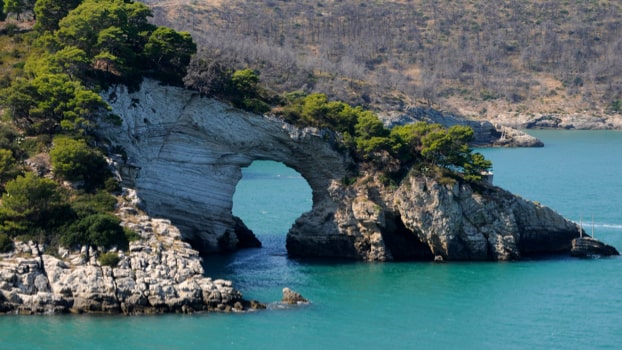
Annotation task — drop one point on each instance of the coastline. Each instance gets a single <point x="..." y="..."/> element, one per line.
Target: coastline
<point x="158" y="274"/>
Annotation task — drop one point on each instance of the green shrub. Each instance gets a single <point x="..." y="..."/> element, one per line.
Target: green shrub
<point x="255" y="105"/>
<point x="6" y="243"/>
<point x="98" y="203"/>
<point x="616" y="106"/>
<point x="31" y="204"/>
<point x="131" y="235"/>
<point x="245" y="81"/>
<point x="111" y="185"/>
<point x="74" y="160"/>
<point x="99" y="230"/>
<point x="109" y="259"/>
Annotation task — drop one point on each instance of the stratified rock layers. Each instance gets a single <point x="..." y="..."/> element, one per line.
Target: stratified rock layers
<point x="184" y="158"/>
<point x="185" y="154"/>
<point x="158" y="274"/>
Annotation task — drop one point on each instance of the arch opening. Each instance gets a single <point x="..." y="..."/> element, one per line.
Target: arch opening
<point x="268" y="199"/>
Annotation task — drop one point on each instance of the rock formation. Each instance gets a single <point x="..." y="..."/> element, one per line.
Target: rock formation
<point x="160" y="273"/>
<point x="425" y="219"/>
<point x="586" y="247"/>
<point x="576" y="121"/>
<point x="185" y="154"/>
<point x="485" y="133"/>
<point x="291" y="297"/>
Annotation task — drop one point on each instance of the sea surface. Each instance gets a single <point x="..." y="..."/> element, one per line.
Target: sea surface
<point x="553" y="303"/>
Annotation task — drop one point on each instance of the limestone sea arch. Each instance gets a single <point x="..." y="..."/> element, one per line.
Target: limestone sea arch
<point x="184" y="155"/>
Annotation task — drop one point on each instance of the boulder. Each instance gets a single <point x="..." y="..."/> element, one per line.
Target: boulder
<point x="586" y="247"/>
<point x="291" y="297"/>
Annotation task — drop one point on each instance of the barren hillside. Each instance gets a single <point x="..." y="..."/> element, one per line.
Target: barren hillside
<point x="476" y="57"/>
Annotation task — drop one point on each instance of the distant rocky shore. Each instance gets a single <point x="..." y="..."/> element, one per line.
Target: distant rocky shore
<point x="159" y="274"/>
<point x="486" y="134"/>
<point x="504" y="130"/>
<point x="572" y="121"/>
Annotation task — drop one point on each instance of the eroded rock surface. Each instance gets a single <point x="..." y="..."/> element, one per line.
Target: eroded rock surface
<point x="160" y="273"/>
<point x="291" y="297"/>
<point x="586" y="247"/>
<point x="184" y="155"/>
<point x="424" y="219"/>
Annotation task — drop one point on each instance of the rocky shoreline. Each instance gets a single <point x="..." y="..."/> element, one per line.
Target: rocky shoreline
<point x="562" y="121"/>
<point x="183" y="158"/>
<point x="486" y="133"/>
<point x="158" y="274"/>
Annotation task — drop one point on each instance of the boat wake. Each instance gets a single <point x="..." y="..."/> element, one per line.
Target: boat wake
<point x="605" y="226"/>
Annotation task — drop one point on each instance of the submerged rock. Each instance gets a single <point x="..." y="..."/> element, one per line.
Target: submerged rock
<point x="585" y="247"/>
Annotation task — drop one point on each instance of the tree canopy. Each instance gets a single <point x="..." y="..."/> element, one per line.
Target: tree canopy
<point x="366" y="136"/>
<point x="52" y="100"/>
<point x="74" y="160"/>
<point x="30" y="204"/>
<point x="78" y="47"/>
<point x="120" y="43"/>
<point x="49" y="12"/>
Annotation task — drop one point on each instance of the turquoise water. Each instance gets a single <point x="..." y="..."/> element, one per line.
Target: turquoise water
<point x="554" y="303"/>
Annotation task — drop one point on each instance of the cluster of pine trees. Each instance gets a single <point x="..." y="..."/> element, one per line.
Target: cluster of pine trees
<point x="76" y="49"/>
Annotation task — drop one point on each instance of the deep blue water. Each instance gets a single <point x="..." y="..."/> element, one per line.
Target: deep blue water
<point x="557" y="303"/>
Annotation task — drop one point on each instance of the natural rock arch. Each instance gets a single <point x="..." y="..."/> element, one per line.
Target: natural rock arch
<point x="184" y="158"/>
<point x="269" y="198"/>
<point x="185" y="154"/>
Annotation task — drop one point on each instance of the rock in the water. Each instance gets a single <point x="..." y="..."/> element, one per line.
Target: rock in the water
<point x="291" y="297"/>
<point x="585" y="247"/>
<point x="185" y="154"/>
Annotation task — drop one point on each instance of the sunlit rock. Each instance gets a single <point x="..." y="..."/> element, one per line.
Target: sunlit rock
<point x="184" y="159"/>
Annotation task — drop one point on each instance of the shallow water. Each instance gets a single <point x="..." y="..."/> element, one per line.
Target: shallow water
<point x="553" y="303"/>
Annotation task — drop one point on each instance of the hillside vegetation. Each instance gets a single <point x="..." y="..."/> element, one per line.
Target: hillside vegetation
<point x="57" y="185"/>
<point x="477" y="57"/>
<point x="56" y="181"/>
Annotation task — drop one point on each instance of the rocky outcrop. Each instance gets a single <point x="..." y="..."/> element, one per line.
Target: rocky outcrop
<point x="291" y="297"/>
<point x="424" y="219"/>
<point x="586" y="247"/>
<point x="576" y="121"/>
<point x="160" y="273"/>
<point x="485" y="132"/>
<point x="184" y="155"/>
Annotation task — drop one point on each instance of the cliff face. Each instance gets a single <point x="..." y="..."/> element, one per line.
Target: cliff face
<point x="185" y="155"/>
<point x="184" y="158"/>
<point x="422" y="219"/>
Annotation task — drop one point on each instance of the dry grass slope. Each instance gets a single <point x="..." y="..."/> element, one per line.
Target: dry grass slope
<point x="477" y="57"/>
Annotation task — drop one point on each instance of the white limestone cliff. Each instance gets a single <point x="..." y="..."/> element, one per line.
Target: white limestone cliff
<point x="184" y="158"/>
<point x="185" y="154"/>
